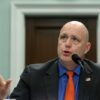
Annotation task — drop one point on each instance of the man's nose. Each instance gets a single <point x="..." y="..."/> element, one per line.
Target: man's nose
<point x="68" y="42"/>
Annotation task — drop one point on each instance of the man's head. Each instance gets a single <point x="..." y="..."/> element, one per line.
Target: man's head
<point x="73" y="39"/>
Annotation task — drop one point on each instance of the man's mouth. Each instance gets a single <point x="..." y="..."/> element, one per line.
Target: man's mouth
<point x="66" y="53"/>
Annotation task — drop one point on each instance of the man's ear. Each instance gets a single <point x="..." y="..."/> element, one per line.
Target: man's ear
<point x="88" y="47"/>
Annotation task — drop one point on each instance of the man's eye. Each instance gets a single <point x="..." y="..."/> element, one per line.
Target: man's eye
<point x="75" y="39"/>
<point x="63" y="37"/>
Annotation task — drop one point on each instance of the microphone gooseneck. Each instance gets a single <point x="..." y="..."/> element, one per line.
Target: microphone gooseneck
<point x="82" y="63"/>
<point x="77" y="60"/>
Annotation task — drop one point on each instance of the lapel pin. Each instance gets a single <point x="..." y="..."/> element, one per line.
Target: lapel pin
<point x="88" y="79"/>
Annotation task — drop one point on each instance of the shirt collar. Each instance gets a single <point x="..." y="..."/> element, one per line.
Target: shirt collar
<point x="62" y="70"/>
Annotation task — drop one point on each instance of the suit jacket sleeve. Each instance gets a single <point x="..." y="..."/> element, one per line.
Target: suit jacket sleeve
<point x="26" y="88"/>
<point x="21" y="92"/>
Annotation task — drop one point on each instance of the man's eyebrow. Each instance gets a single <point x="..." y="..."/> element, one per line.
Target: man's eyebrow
<point x="76" y="36"/>
<point x="63" y="33"/>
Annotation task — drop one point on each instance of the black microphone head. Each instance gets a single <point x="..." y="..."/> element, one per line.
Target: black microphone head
<point x="76" y="58"/>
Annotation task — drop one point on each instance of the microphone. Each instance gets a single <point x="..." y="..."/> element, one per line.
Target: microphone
<point x="82" y="63"/>
<point x="77" y="60"/>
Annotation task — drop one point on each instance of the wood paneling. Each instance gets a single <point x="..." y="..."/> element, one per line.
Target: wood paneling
<point x="42" y="33"/>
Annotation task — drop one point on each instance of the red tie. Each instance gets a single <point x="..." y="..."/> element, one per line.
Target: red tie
<point x="69" y="92"/>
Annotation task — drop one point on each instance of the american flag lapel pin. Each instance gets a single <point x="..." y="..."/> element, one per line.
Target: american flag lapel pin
<point x="88" y="79"/>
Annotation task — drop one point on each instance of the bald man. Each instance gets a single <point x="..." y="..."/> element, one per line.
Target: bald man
<point x="48" y="81"/>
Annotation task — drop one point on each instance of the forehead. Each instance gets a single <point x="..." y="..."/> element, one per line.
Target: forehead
<point x="73" y="29"/>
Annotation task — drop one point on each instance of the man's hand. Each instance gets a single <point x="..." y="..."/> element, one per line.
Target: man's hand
<point x="4" y="86"/>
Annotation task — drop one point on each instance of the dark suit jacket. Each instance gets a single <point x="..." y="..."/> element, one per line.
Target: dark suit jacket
<point x="40" y="82"/>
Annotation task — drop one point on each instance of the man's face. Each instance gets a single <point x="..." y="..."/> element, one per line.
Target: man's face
<point x="72" y="40"/>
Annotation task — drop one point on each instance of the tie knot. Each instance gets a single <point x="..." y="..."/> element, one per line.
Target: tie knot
<point x="70" y="73"/>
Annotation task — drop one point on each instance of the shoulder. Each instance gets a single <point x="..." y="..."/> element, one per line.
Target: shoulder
<point x="91" y="63"/>
<point x="41" y="66"/>
<point x="38" y="68"/>
<point x="94" y="66"/>
<point x="36" y="71"/>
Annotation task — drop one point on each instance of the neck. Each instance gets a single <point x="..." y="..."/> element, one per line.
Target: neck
<point x="69" y="65"/>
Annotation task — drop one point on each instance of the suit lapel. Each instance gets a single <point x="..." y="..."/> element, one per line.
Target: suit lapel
<point x="85" y="85"/>
<point x="51" y="83"/>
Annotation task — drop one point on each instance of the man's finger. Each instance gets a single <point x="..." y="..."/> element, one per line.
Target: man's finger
<point x="8" y="82"/>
